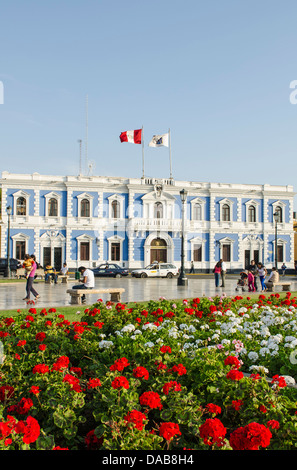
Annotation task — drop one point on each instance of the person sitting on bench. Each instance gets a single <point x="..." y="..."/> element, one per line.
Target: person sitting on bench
<point x="273" y="277"/>
<point x="87" y="279"/>
<point x="49" y="271"/>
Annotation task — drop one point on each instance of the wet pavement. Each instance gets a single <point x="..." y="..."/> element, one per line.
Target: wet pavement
<point x="54" y="295"/>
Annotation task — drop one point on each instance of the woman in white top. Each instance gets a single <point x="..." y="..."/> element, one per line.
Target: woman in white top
<point x="262" y="275"/>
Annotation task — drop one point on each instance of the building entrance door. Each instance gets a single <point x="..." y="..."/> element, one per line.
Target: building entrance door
<point x="159" y="250"/>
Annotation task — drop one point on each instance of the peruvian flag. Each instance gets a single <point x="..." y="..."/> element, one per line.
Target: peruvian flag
<point x="134" y="137"/>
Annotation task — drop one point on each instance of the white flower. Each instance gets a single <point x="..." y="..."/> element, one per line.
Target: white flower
<point x="128" y="328"/>
<point x="105" y="344"/>
<point x="149" y="344"/>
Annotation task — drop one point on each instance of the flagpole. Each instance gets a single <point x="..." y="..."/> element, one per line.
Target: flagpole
<point x="170" y="153"/>
<point x="142" y="141"/>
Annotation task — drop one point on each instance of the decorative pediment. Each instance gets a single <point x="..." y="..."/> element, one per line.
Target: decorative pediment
<point x="84" y="237"/>
<point x="52" y="194"/>
<point x="84" y="196"/>
<point x="198" y="240"/>
<point x="226" y="240"/>
<point x="252" y="202"/>
<point x="52" y="234"/>
<point x="252" y="238"/>
<point x="226" y="201"/>
<point x="21" y="193"/>
<point x="20" y="237"/>
<point x="153" y="196"/>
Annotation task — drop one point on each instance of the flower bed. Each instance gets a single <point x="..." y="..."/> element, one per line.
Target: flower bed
<point x="190" y="375"/>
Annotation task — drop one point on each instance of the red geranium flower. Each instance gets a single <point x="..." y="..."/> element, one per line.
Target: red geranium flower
<point x="40" y="336"/>
<point x="141" y="372"/>
<point x="214" y="409"/>
<point x="165" y="349"/>
<point x="250" y="437"/>
<point x="232" y="361"/>
<point x="213" y="432"/>
<point x="151" y="399"/>
<point x="273" y="424"/>
<point x="61" y="363"/>
<point x="40" y="369"/>
<point x="137" y="418"/>
<point x="234" y="374"/>
<point x="169" y="430"/>
<point x="236" y="404"/>
<point x="120" y="364"/>
<point x="172" y="385"/>
<point x="120" y="382"/>
<point x="6" y="392"/>
<point x="93" y="383"/>
<point x="280" y="381"/>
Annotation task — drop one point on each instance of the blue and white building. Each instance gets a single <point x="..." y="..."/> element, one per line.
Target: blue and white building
<point x="88" y="220"/>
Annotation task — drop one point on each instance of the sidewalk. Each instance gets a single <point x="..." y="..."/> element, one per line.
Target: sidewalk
<point x="54" y="295"/>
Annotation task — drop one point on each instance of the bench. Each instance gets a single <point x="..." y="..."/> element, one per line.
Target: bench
<point x="285" y="285"/>
<point x="76" y="294"/>
<point x="63" y="277"/>
<point x="21" y="272"/>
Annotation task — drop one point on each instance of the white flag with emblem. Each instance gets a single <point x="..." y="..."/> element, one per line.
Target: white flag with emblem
<point x="159" y="141"/>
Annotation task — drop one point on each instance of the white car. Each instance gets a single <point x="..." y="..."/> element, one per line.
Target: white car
<point x="156" y="270"/>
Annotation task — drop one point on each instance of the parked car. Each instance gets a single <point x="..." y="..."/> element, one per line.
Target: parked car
<point x="156" y="270"/>
<point x="13" y="263"/>
<point x="110" y="270"/>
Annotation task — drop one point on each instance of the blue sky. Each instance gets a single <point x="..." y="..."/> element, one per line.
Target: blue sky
<point x="216" y="72"/>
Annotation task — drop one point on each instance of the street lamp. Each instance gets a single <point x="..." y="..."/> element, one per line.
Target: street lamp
<point x="8" y="210"/>
<point x="182" y="279"/>
<point x="276" y="220"/>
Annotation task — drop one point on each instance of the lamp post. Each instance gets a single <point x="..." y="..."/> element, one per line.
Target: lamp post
<point x="182" y="279"/>
<point x="8" y="210"/>
<point x="276" y="220"/>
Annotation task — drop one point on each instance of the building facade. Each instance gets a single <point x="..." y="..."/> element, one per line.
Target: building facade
<point x="89" y="220"/>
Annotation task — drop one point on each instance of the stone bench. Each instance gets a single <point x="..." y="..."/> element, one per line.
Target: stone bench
<point x="63" y="277"/>
<point x="286" y="286"/>
<point x="76" y="294"/>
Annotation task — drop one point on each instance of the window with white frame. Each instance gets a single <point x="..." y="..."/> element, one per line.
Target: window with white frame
<point x="197" y="209"/>
<point x="20" y="243"/>
<point x="116" y="206"/>
<point x="115" y="248"/>
<point x="197" y="249"/>
<point x="226" y="210"/>
<point x="252" y="209"/>
<point x="84" y="247"/>
<point x="20" y="203"/>
<point x="85" y="205"/>
<point x="52" y="204"/>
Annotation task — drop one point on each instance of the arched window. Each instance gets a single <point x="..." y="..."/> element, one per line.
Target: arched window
<point x="21" y="206"/>
<point x="158" y="210"/>
<point x="115" y="210"/>
<point x="85" y="208"/>
<point x="251" y="214"/>
<point x="226" y="213"/>
<point x="279" y="214"/>
<point x="53" y="207"/>
<point x="197" y="212"/>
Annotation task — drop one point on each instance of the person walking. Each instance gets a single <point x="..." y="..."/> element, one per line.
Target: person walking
<point x="88" y="280"/>
<point x="283" y="268"/>
<point x="254" y="270"/>
<point x="262" y="275"/>
<point x="217" y="271"/>
<point x="223" y="272"/>
<point x="251" y="279"/>
<point x="192" y="270"/>
<point x="30" y="280"/>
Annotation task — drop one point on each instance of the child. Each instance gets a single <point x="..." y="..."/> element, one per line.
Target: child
<point x="251" y="281"/>
<point x="27" y="264"/>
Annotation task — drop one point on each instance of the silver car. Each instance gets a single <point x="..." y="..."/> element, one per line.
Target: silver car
<point x="156" y="270"/>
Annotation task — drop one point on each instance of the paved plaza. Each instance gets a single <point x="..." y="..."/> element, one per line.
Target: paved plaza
<point x="54" y="295"/>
